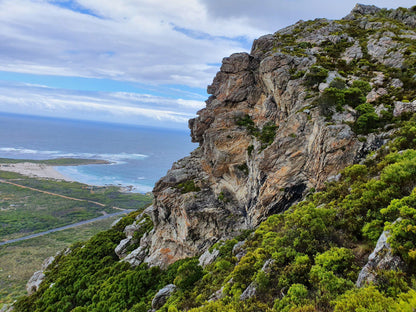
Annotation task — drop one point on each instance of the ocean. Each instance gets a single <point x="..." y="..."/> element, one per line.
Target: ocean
<point x="139" y="156"/>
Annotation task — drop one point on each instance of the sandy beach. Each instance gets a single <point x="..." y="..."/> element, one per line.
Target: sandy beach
<point x="35" y="170"/>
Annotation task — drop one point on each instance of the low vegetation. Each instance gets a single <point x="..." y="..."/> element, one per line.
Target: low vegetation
<point x="18" y="261"/>
<point x="265" y="135"/>
<point x="26" y="211"/>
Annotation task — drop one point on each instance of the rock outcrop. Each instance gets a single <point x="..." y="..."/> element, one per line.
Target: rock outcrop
<point x="162" y="296"/>
<point x="382" y="258"/>
<point x="263" y="141"/>
<point x="37" y="278"/>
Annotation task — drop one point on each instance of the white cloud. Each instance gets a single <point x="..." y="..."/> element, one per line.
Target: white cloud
<point x="120" y="107"/>
<point x="272" y="15"/>
<point x="134" y="40"/>
<point x="147" y="41"/>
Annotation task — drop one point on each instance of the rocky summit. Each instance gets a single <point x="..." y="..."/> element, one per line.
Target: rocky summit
<point x="271" y="130"/>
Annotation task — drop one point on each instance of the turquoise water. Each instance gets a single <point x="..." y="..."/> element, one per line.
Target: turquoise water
<point x="139" y="156"/>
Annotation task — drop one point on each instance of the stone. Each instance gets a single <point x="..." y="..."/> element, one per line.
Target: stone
<point x="385" y="50"/>
<point x="37" y="278"/>
<point x="129" y="230"/>
<point x="345" y="116"/>
<point x="239" y="251"/>
<point x="34" y="282"/>
<point x="404" y="107"/>
<point x="378" y="80"/>
<point x="121" y="249"/>
<point x="362" y="9"/>
<point x="249" y="292"/>
<point x="396" y="82"/>
<point x="115" y="222"/>
<point x="322" y="86"/>
<point x="219" y="294"/>
<point x="352" y="53"/>
<point x="268" y="265"/>
<point x="7" y="308"/>
<point x="208" y="258"/>
<point x="136" y="257"/>
<point x="379" y="109"/>
<point x="381" y="258"/>
<point x="162" y="296"/>
<point x="373" y="95"/>
<point x="334" y="178"/>
<point x="47" y="262"/>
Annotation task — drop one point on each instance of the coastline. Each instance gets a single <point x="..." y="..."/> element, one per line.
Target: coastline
<point x="35" y="170"/>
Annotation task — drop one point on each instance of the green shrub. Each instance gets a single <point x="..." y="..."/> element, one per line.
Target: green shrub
<point x="338" y="83"/>
<point x="188" y="274"/>
<point x="364" y="299"/>
<point x="247" y="123"/>
<point x="354" y="97"/>
<point x="267" y="134"/>
<point x="331" y="99"/>
<point x="315" y="76"/>
<point x="364" y="86"/>
<point x="188" y="186"/>
<point x="367" y="120"/>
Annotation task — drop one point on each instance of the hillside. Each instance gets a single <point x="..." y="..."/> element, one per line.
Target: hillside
<point x="300" y="196"/>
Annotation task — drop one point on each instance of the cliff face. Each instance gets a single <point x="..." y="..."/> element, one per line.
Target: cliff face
<point x="265" y="139"/>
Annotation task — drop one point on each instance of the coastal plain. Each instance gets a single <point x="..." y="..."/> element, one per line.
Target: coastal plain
<point x="35" y="197"/>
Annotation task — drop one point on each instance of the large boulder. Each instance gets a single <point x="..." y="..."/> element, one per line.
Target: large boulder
<point x="162" y="296"/>
<point x="382" y="258"/>
<point x="37" y="278"/>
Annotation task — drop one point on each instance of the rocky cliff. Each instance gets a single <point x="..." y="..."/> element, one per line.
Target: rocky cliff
<point x="280" y="122"/>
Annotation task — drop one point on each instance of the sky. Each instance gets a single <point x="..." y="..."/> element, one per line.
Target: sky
<point x="140" y="62"/>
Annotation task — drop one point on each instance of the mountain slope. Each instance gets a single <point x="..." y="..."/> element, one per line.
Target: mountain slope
<point x="281" y="121"/>
<point x="318" y="106"/>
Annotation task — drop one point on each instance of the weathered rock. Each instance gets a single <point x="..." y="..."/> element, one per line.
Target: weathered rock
<point x="37" y="278"/>
<point x="239" y="251"/>
<point x="249" y="292"/>
<point x="381" y="258"/>
<point x="121" y="249"/>
<point x="34" y="282"/>
<point x="386" y="51"/>
<point x="116" y="222"/>
<point x="373" y="95"/>
<point x="362" y="9"/>
<point x="7" y="308"/>
<point x="47" y="262"/>
<point x="136" y="257"/>
<point x="380" y="109"/>
<point x="208" y="257"/>
<point x="352" y="53"/>
<point x="396" y="83"/>
<point x="378" y="80"/>
<point x="219" y="294"/>
<point x="268" y="265"/>
<point x="404" y="107"/>
<point x="129" y="230"/>
<point x="162" y="296"/>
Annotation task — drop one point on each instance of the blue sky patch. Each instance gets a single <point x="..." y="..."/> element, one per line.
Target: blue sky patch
<point x="73" y="6"/>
